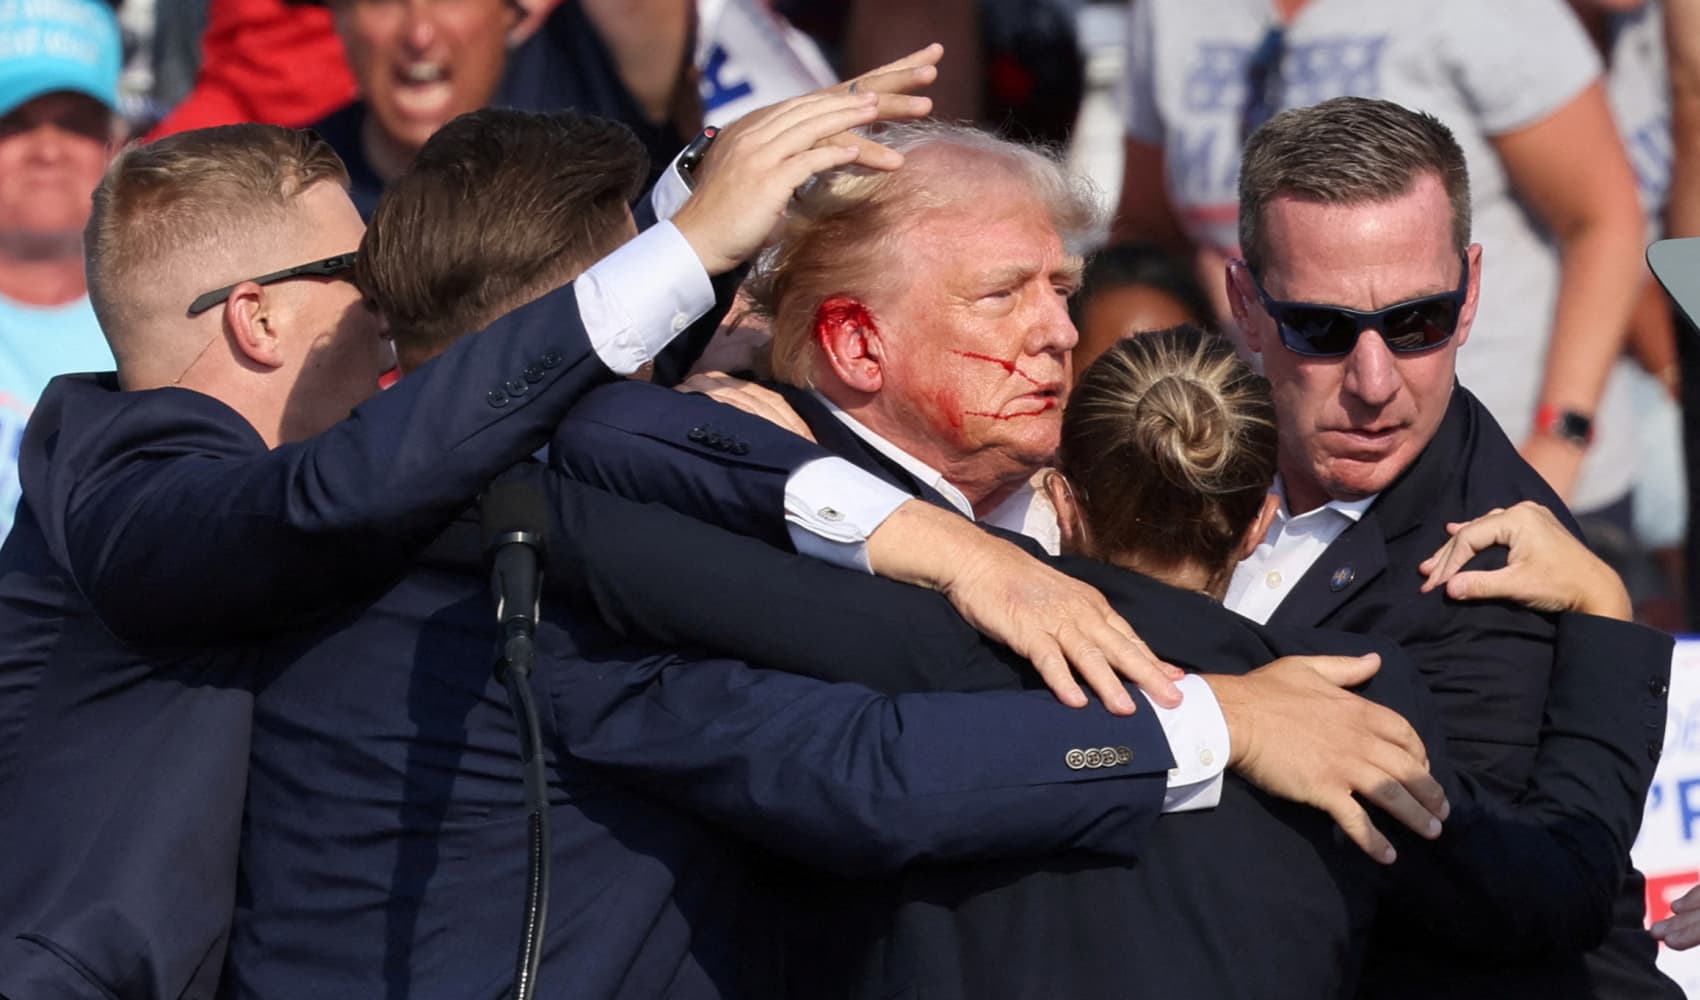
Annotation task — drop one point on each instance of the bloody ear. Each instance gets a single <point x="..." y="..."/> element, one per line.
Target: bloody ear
<point x="849" y="339"/>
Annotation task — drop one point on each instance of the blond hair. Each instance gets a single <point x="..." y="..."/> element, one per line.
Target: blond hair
<point x="841" y="231"/>
<point x="165" y="207"/>
<point x="1169" y="444"/>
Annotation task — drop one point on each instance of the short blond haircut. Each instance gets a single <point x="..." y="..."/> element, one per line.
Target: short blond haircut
<point x="841" y="232"/>
<point x="172" y="203"/>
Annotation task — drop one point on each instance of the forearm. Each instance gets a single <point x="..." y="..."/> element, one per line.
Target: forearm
<point x="1600" y="278"/>
<point x="1682" y="43"/>
<point x="838" y="776"/>
<point x="647" y="39"/>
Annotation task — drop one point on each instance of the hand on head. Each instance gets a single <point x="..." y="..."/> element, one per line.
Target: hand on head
<point x="755" y="165"/>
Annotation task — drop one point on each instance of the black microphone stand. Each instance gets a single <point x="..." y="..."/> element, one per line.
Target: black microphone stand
<point x="515" y="519"/>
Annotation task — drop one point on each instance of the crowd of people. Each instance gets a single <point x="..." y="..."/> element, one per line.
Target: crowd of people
<point x="994" y="616"/>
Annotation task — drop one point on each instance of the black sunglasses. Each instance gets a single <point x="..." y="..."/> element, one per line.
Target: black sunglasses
<point x="329" y="267"/>
<point x="1320" y="331"/>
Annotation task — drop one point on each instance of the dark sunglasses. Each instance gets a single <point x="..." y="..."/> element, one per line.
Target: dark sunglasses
<point x="1320" y="331"/>
<point x="327" y="268"/>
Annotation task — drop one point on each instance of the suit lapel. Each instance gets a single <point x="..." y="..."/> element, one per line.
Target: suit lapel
<point x="1357" y="557"/>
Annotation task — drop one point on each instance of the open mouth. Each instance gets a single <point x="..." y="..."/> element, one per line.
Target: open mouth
<point x="422" y="89"/>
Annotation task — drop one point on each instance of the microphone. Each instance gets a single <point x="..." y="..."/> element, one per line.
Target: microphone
<point x="514" y="519"/>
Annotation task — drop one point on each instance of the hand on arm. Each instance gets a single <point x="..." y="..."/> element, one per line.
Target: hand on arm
<point x="1296" y="733"/>
<point x="753" y="399"/>
<point x="1052" y="620"/>
<point x="748" y="176"/>
<point x="1547" y="569"/>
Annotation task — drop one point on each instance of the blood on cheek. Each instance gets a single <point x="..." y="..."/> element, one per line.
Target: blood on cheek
<point x="1013" y="369"/>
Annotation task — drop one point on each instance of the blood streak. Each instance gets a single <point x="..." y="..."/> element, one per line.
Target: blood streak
<point x="1050" y="404"/>
<point x="1008" y="366"/>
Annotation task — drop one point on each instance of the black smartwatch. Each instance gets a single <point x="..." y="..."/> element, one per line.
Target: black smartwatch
<point x="1568" y="425"/>
<point x="691" y="158"/>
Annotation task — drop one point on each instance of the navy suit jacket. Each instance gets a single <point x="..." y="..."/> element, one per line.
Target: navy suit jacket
<point x="1489" y="665"/>
<point x="158" y="550"/>
<point x="1567" y="839"/>
<point x="385" y="847"/>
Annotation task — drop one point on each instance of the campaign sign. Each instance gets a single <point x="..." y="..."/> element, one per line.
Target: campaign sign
<point x="1668" y="850"/>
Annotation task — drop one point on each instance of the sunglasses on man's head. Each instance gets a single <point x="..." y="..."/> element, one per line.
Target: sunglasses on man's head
<point x="330" y="267"/>
<point x="1321" y="331"/>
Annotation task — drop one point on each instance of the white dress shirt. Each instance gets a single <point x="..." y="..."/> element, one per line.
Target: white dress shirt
<point x="1269" y="574"/>
<point x="831" y="506"/>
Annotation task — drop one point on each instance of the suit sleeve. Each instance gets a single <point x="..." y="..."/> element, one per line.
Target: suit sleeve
<point x="700" y="457"/>
<point x="179" y="528"/>
<point x="838" y="776"/>
<point x="1541" y="874"/>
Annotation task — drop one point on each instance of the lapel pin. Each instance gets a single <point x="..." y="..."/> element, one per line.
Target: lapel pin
<point x="1342" y="578"/>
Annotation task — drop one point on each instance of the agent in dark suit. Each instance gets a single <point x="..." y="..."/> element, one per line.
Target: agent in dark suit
<point x="181" y="517"/>
<point x="1358" y="288"/>
<point x="1254" y="898"/>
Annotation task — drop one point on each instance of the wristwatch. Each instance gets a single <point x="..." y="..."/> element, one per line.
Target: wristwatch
<point x="691" y="158"/>
<point x="1570" y="425"/>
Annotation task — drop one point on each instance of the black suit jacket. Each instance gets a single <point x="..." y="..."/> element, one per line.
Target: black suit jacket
<point x="1542" y="883"/>
<point x="1489" y="667"/>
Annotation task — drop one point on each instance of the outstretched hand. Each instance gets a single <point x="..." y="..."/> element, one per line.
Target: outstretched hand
<point x="1296" y="733"/>
<point x="756" y="164"/>
<point x="1547" y="568"/>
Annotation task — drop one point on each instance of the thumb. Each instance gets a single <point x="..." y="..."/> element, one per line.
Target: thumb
<point x="1347" y="671"/>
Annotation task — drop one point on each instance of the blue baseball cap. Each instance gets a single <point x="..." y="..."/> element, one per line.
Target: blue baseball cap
<point x="53" y="45"/>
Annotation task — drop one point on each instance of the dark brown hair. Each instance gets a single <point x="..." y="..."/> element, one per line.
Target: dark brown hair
<point x="1347" y="151"/>
<point x="498" y="207"/>
<point x="1169" y="445"/>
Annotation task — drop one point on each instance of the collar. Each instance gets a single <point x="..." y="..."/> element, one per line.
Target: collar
<point x="907" y="462"/>
<point x="1352" y="510"/>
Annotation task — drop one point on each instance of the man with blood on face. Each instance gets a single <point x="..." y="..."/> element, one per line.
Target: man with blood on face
<point x="960" y="361"/>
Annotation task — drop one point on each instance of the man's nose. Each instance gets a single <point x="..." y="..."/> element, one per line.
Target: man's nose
<point x="1372" y="372"/>
<point x="419" y="25"/>
<point x="1053" y="330"/>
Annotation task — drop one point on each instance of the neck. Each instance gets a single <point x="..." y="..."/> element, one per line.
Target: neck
<point x="1301" y="493"/>
<point x="42" y="272"/>
<point x="388" y="158"/>
<point x="1184" y="575"/>
<point x="986" y="479"/>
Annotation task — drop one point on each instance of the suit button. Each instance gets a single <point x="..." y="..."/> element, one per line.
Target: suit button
<point x="496" y="398"/>
<point x="1659" y="687"/>
<point x="550" y="360"/>
<point x="1075" y="759"/>
<point x="740" y="448"/>
<point x="698" y="435"/>
<point x="1654" y="751"/>
<point x="518" y="386"/>
<point x="1206" y="758"/>
<point x="1094" y="757"/>
<point x="830" y="514"/>
<point x="715" y="440"/>
<point x="1124" y="755"/>
<point x="533" y="373"/>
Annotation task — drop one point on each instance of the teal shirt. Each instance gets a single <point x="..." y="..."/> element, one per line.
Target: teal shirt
<point x="35" y="345"/>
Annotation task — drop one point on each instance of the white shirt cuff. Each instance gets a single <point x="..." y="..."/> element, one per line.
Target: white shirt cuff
<point x="637" y="299"/>
<point x="1198" y="737"/>
<point x="831" y="507"/>
<point x="670" y="191"/>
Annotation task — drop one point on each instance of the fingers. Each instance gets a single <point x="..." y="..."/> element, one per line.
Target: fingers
<point x="1466" y="542"/>
<point x="1680" y="932"/>
<point x="922" y="61"/>
<point x="1402" y="786"/>
<point x="747" y="396"/>
<point x="1052" y="667"/>
<point x="1133" y="660"/>
<point x="1088" y="661"/>
<point x="1358" y="828"/>
<point x="1688" y="902"/>
<point x="1342" y="671"/>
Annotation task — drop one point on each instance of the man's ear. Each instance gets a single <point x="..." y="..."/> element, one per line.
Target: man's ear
<point x="1255" y="533"/>
<point x="850" y="343"/>
<point x="1237" y="276"/>
<point x="252" y="320"/>
<point x="1467" y="315"/>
